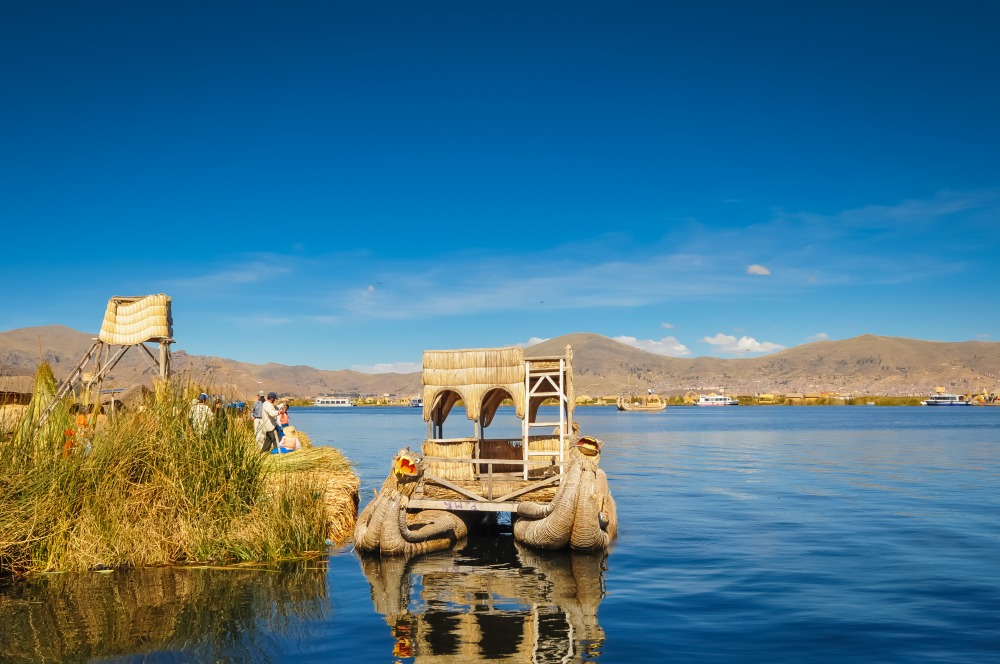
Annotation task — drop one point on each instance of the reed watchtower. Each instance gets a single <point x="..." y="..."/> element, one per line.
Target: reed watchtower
<point x="129" y="322"/>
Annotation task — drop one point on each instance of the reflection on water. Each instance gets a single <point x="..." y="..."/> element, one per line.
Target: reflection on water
<point x="748" y="535"/>
<point x="491" y="599"/>
<point x="208" y="614"/>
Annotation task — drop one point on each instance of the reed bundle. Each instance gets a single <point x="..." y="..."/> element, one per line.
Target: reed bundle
<point x="326" y="472"/>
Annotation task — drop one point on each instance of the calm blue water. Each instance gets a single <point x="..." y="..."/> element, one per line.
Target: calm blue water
<point x="751" y="534"/>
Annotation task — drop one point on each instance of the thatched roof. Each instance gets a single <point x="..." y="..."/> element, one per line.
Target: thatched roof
<point x="133" y="320"/>
<point x="16" y="389"/>
<point x="17" y="384"/>
<point x="480" y="377"/>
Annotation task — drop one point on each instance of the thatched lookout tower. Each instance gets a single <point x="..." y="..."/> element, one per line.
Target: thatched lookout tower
<point x="477" y="472"/>
<point x="129" y="322"/>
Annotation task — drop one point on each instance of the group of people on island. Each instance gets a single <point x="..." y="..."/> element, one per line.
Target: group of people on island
<point x="271" y="427"/>
<point x="272" y="430"/>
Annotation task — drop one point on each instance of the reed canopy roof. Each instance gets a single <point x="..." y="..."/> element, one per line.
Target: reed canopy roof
<point x="481" y="377"/>
<point x="130" y="321"/>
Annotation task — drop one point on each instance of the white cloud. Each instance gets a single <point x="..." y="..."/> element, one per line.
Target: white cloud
<point x="667" y="326"/>
<point x="388" y="367"/>
<point x="531" y="342"/>
<point x="669" y="346"/>
<point x="727" y="343"/>
<point x="758" y="269"/>
<point x="819" y="336"/>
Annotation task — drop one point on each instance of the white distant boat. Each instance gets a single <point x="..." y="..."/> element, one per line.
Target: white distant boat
<point x="716" y="400"/>
<point x="417" y="402"/>
<point x="946" y="400"/>
<point x="333" y="402"/>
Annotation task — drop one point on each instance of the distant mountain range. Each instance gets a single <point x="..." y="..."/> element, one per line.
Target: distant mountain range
<point x="867" y="364"/>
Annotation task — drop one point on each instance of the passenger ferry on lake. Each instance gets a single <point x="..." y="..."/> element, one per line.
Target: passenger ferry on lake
<point x="946" y="400"/>
<point x="716" y="400"/>
<point x="332" y="402"/>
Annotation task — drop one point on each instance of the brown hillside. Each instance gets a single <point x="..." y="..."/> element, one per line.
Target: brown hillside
<point x="867" y="364"/>
<point x="63" y="348"/>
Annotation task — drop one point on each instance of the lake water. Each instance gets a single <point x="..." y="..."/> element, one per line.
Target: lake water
<point x="750" y="534"/>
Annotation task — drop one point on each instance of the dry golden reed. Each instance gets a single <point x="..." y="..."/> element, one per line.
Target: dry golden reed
<point x="145" y="488"/>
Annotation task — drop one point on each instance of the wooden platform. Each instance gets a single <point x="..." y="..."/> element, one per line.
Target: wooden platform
<point x="492" y="492"/>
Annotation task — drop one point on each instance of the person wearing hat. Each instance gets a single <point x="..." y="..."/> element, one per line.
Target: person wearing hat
<point x="269" y="418"/>
<point x="258" y="423"/>
<point x="201" y="414"/>
<point x="289" y="443"/>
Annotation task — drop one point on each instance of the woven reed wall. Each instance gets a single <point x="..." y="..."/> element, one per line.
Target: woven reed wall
<point x="472" y="373"/>
<point x="547" y="444"/>
<point x="133" y="320"/>
<point x="462" y="449"/>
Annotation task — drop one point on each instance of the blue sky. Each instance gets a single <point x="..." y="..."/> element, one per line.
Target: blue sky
<point x="346" y="184"/>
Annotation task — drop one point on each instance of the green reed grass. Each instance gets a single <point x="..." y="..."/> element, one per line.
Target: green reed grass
<point x="144" y="488"/>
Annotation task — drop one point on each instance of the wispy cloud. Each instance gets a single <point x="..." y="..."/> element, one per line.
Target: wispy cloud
<point x="696" y="267"/>
<point x="727" y="343"/>
<point x="531" y="342"/>
<point x="669" y="346"/>
<point x="464" y="285"/>
<point x="609" y="273"/>
<point x="819" y="336"/>
<point x="242" y="275"/>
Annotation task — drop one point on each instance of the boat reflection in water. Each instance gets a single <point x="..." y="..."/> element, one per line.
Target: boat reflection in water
<point x="491" y="599"/>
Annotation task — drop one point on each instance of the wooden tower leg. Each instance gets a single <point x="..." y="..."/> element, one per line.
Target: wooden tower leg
<point x="164" y="359"/>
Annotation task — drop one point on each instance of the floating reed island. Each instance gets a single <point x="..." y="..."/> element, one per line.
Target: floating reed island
<point x="144" y="487"/>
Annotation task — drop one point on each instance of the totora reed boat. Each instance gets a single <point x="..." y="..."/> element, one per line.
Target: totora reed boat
<point x="548" y="479"/>
<point x="648" y="403"/>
